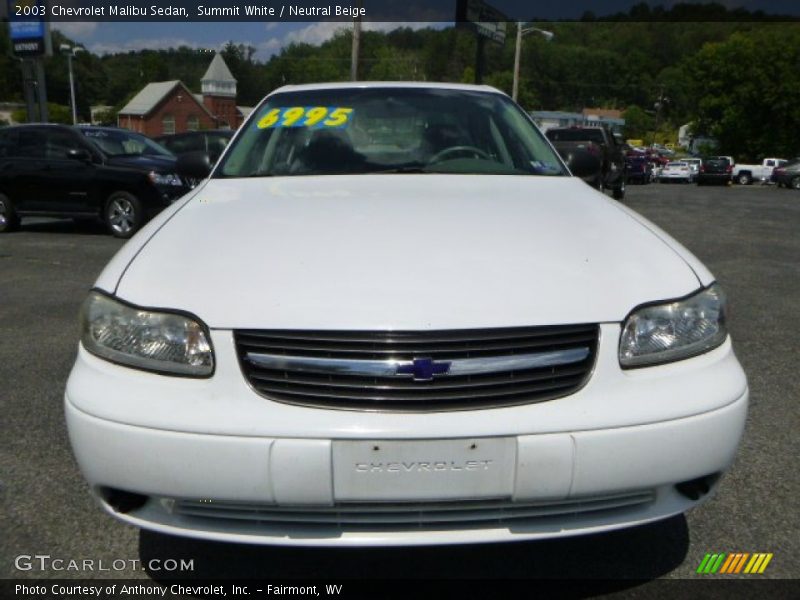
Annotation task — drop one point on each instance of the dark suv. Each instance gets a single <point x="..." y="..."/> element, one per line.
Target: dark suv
<point x="119" y="176"/>
<point x="715" y="169"/>
<point x="787" y="175"/>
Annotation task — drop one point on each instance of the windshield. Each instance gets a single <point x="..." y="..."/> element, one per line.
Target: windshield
<point x="389" y="130"/>
<point x="125" y="143"/>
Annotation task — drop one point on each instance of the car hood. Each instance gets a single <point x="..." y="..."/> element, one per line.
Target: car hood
<point x="160" y="164"/>
<point x="404" y="252"/>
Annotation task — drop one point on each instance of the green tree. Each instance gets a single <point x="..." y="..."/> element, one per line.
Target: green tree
<point x="638" y="124"/>
<point x="747" y="90"/>
<point x="57" y="113"/>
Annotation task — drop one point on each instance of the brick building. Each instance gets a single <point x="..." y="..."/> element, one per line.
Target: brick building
<point x="166" y="107"/>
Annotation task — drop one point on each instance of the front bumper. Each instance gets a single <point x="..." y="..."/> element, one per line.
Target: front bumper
<point x="170" y="193"/>
<point x="216" y="461"/>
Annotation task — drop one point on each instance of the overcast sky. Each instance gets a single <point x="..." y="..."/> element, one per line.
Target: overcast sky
<point x="267" y="38"/>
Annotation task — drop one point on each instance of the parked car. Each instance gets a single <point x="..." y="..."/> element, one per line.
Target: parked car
<point x="612" y="175"/>
<point x="745" y="174"/>
<point x="212" y="142"/>
<point x="730" y="161"/>
<point x="788" y="175"/>
<point x="663" y="150"/>
<point x="694" y="165"/>
<point x="639" y="169"/>
<point x="390" y="316"/>
<point x="116" y="175"/>
<point x="676" y="171"/>
<point x="715" y="169"/>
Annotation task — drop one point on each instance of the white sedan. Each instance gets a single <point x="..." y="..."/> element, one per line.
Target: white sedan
<point x="676" y="171"/>
<point x="391" y="316"/>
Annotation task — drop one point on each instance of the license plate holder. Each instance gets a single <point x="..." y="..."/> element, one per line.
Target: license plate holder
<point x="419" y="470"/>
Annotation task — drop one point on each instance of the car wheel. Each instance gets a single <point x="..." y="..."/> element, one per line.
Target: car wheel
<point x="619" y="192"/>
<point x="795" y="183"/>
<point x="9" y="220"/>
<point x="744" y="179"/>
<point x="123" y="214"/>
<point x="599" y="184"/>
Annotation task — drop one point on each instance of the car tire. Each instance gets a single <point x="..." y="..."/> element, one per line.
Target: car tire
<point x="618" y="192"/>
<point x="795" y="183"/>
<point x="9" y="220"/>
<point x="123" y="214"/>
<point x="744" y="178"/>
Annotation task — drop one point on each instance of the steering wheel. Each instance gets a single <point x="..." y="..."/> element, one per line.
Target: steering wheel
<point x="441" y="155"/>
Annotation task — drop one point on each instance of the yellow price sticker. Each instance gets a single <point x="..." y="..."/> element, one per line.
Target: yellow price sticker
<point x="314" y="117"/>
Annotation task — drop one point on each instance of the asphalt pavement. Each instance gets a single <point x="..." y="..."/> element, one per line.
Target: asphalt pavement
<point x="748" y="236"/>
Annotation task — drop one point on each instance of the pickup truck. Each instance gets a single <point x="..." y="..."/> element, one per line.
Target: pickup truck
<point x="612" y="172"/>
<point x="747" y="174"/>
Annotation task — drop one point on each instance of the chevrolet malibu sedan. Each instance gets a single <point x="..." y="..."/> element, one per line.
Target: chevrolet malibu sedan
<point x="391" y="316"/>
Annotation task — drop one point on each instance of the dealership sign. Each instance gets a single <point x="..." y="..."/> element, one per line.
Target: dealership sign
<point x="484" y="19"/>
<point x="27" y="29"/>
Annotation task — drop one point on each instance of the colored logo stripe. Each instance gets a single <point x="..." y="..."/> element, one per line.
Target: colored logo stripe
<point x="711" y="563"/>
<point x="734" y="562"/>
<point x="758" y="563"/>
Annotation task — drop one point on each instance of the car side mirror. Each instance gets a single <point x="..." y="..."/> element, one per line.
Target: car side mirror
<point x="79" y="154"/>
<point x="194" y="165"/>
<point x="582" y="162"/>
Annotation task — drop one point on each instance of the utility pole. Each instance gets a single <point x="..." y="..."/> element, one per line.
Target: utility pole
<point x="356" y="46"/>
<point x="659" y="105"/>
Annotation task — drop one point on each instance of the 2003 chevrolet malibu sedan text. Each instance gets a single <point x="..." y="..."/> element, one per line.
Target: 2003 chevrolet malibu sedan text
<point x="391" y="316"/>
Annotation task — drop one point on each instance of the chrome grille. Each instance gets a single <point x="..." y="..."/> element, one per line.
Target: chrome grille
<point x="358" y="369"/>
<point x="412" y="514"/>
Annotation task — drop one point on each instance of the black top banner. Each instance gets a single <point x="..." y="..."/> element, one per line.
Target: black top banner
<point x="393" y="10"/>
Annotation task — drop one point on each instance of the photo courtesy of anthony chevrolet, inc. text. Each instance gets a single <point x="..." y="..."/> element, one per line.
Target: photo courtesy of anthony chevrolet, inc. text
<point x="368" y="299"/>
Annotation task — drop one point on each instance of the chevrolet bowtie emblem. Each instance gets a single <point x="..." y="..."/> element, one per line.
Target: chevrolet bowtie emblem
<point x="423" y="369"/>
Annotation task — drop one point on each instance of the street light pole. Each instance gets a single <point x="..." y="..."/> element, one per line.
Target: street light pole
<point x="72" y="89"/>
<point x="71" y="52"/>
<point x="517" y="52"/>
<point x="548" y="35"/>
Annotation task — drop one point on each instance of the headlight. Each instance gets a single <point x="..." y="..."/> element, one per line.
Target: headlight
<point x="169" y="343"/>
<point x="164" y="178"/>
<point x="672" y="331"/>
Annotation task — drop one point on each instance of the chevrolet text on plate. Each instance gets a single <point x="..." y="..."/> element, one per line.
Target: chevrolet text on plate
<point x="390" y="315"/>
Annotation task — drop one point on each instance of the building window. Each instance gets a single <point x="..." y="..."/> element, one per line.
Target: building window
<point x="168" y="125"/>
<point x="193" y="123"/>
